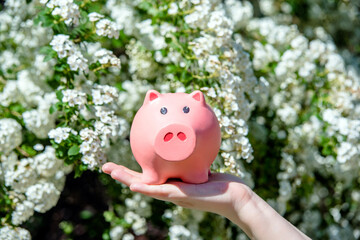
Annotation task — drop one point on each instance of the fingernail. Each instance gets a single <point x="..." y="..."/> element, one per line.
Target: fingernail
<point x="104" y="168"/>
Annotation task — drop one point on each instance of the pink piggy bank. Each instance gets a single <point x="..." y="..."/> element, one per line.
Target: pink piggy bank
<point x="175" y="135"/>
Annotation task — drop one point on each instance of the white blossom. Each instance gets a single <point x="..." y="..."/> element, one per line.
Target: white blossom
<point x="16" y="233"/>
<point x="22" y="212"/>
<point x="107" y="57"/>
<point x="62" y="45"/>
<point x="10" y="94"/>
<point x="116" y="233"/>
<point x="178" y="232"/>
<point x="8" y="60"/>
<point x="74" y="97"/>
<point x="91" y="148"/>
<point x="21" y="175"/>
<point x="287" y="114"/>
<point x="124" y="15"/>
<point x="39" y="121"/>
<point x="139" y="204"/>
<point x="10" y="135"/>
<point x="66" y="48"/>
<point x="346" y="152"/>
<point x="173" y="9"/>
<point x="141" y="63"/>
<point x="138" y="224"/>
<point x="94" y="16"/>
<point x="61" y="133"/>
<point x="307" y="70"/>
<point x="149" y="37"/>
<point x="38" y="147"/>
<point x="67" y="9"/>
<point x="335" y="63"/>
<point x="263" y="55"/>
<point x="29" y="90"/>
<point x="128" y="236"/>
<point x="239" y="12"/>
<point x="104" y="94"/>
<point x="107" y="28"/>
<point x="46" y="162"/>
<point x="44" y="195"/>
<point x="78" y="62"/>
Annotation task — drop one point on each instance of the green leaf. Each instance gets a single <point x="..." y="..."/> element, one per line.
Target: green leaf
<point x="171" y="68"/>
<point x="49" y="56"/>
<point x="17" y="108"/>
<point x="106" y="236"/>
<point x="61" y="67"/>
<point x="109" y="216"/>
<point x="79" y="169"/>
<point x="46" y="50"/>
<point x="59" y="153"/>
<point x="67" y="227"/>
<point x="59" y="95"/>
<point x="59" y="105"/>
<point x="45" y="18"/>
<point x="68" y="110"/>
<point x="144" y="5"/>
<point x="74" y="150"/>
<point x="52" y="109"/>
<point x="86" y="214"/>
<point x="29" y="150"/>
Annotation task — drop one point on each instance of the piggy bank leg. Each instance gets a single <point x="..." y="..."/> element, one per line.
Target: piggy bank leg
<point x="196" y="177"/>
<point x="152" y="177"/>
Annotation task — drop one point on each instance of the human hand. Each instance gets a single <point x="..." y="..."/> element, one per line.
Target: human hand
<point x="223" y="194"/>
<point x="216" y="195"/>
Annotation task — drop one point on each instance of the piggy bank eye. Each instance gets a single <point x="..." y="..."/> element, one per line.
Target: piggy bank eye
<point x="163" y="110"/>
<point x="186" y="109"/>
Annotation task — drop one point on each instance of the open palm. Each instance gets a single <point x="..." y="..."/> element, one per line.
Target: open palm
<point x="213" y="196"/>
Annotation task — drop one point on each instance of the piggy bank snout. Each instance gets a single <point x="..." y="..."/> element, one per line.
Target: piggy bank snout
<point x="169" y="136"/>
<point x="175" y="142"/>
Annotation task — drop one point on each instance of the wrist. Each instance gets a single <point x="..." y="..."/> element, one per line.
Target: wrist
<point x="258" y="219"/>
<point x="242" y="201"/>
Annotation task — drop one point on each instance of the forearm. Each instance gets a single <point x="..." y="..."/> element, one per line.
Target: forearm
<point x="258" y="219"/>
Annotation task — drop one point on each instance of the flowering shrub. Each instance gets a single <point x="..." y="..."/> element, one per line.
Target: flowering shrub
<point x="73" y="74"/>
<point x="338" y="20"/>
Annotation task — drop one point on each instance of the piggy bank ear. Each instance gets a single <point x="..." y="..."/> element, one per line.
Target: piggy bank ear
<point x="198" y="96"/>
<point x="151" y="95"/>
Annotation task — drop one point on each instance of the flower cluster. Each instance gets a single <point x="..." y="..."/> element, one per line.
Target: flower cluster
<point x="311" y="94"/>
<point x="106" y="127"/>
<point x="107" y="57"/>
<point x="68" y="10"/>
<point x="10" y="135"/>
<point x="39" y="121"/>
<point x="141" y="63"/>
<point x="66" y="48"/>
<point x="8" y="232"/>
<point x="74" y="98"/>
<point x="61" y="133"/>
<point x="104" y="94"/>
<point x="104" y="27"/>
<point x="91" y="148"/>
<point x="36" y="182"/>
<point x="25" y="99"/>
<point x="223" y="58"/>
<point x="134" y="213"/>
<point x="339" y="21"/>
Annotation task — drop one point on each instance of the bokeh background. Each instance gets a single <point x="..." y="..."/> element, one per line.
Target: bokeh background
<point x="281" y="75"/>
